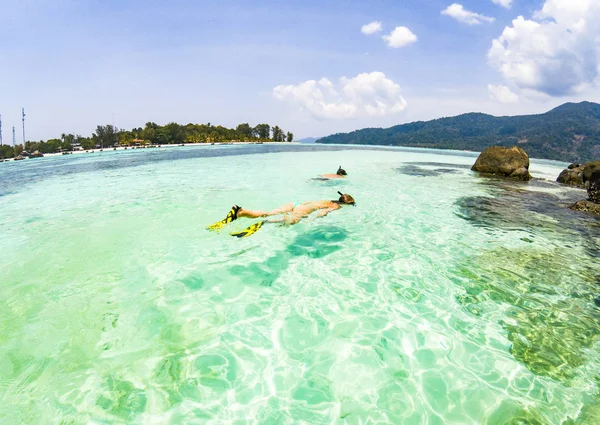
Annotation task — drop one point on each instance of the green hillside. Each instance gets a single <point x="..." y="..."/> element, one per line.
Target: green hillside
<point x="570" y="132"/>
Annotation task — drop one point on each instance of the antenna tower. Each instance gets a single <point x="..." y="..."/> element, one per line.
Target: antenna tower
<point x="23" y="114"/>
<point x="14" y="138"/>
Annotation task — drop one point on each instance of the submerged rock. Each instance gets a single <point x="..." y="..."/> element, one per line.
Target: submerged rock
<point x="413" y="170"/>
<point x="578" y="174"/>
<point x="501" y="161"/>
<point x="510" y="207"/>
<point x="549" y="317"/>
<point x="586" y="206"/>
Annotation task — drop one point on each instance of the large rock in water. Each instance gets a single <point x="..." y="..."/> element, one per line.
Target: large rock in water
<point x="578" y="174"/>
<point x="508" y="162"/>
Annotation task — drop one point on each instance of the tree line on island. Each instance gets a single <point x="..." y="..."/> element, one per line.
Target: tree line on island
<point x="106" y="136"/>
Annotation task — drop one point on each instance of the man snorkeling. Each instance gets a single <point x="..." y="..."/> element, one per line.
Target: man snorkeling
<point x="290" y="213"/>
<point x="340" y="174"/>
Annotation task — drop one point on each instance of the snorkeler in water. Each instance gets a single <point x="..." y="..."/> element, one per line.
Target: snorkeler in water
<point x="290" y="213"/>
<point x="340" y="174"/>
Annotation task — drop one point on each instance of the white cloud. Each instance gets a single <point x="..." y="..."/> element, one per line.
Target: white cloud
<point x="557" y="52"/>
<point x="366" y="95"/>
<point x="400" y="37"/>
<point x="504" y="3"/>
<point x="371" y="28"/>
<point x="502" y="94"/>
<point x="458" y="12"/>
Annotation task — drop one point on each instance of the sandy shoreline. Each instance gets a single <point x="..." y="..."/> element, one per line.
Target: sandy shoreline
<point x="122" y="148"/>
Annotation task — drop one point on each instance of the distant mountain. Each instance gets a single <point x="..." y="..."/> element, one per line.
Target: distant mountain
<point x="570" y="132"/>
<point x="308" y="140"/>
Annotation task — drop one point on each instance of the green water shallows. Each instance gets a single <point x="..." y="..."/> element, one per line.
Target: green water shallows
<point x="442" y="298"/>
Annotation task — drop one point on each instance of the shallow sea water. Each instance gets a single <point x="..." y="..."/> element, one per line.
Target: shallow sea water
<point x="442" y="298"/>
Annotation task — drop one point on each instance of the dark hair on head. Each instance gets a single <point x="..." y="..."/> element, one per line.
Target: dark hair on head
<point x="346" y="199"/>
<point x="341" y="171"/>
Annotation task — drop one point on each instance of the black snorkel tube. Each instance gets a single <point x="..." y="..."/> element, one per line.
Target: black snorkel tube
<point x="341" y="171"/>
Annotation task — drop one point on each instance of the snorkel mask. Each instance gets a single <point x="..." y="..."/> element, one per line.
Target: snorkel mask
<point x="345" y="199"/>
<point x="341" y="171"/>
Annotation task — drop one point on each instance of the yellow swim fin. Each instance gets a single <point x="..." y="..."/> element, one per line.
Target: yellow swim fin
<point x="249" y="230"/>
<point x="231" y="216"/>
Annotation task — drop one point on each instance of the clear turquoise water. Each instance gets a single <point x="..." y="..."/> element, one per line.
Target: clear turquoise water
<point x="442" y="298"/>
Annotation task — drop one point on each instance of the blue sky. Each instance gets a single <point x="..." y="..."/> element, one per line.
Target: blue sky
<point x="76" y="64"/>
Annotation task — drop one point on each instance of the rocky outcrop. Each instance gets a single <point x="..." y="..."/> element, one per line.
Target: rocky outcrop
<point x="578" y="174"/>
<point x="572" y="176"/>
<point x="594" y="187"/>
<point x="592" y="204"/>
<point x="506" y="162"/>
<point x="589" y="169"/>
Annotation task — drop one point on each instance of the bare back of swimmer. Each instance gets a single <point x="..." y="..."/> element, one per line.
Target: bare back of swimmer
<point x="340" y="174"/>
